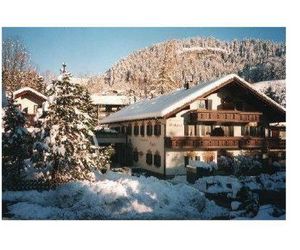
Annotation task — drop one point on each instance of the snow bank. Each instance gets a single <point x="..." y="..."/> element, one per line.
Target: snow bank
<point x="265" y="181"/>
<point x="114" y="196"/>
<point x="219" y="184"/>
<point x="266" y="212"/>
<point x="231" y="185"/>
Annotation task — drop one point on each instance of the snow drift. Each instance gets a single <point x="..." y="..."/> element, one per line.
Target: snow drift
<point x="114" y="196"/>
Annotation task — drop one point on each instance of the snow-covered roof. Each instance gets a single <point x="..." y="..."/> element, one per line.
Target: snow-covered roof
<point x="110" y="99"/>
<point x="163" y="105"/>
<point x="19" y="91"/>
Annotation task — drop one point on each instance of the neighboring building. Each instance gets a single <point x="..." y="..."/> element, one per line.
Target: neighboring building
<point x="29" y="100"/>
<point x="108" y="104"/>
<point x="201" y="123"/>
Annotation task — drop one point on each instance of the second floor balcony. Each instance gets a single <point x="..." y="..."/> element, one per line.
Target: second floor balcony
<point x="231" y="116"/>
<point x="223" y="142"/>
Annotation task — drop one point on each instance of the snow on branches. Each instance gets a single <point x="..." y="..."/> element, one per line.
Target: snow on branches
<point x="65" y="146"/>
<point x="15" y="143"/>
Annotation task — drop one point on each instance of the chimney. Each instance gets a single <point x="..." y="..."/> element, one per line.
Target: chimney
<point x="187" y="84"/>
<point x="188" y="80"/>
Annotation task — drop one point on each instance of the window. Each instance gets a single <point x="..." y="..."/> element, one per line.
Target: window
<point x="228" y="130"/>
<point x="123" y="130"/>
<point x="108" y="109"/>
<point x="208" y="104"/>
<point x="136" y="130"/>
<point x="142" y="130"/>
<point x="135" y="155"/>
<point x="157" y="160"/>
<point x="208" y="157"/>
<point x="149" y="158"/>
<point x="205" y="130"/>
<point x="35" y="107"/>
<point x="189" y="130"/>
<point x="149" y="129"/>
<point x="129" y="129"/>
<point x="252" y="131"/>
<point x="157" y="129"/>
<point x="202" y="104"/>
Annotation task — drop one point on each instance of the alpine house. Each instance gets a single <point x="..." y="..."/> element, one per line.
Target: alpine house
<point x="201" y="123"/>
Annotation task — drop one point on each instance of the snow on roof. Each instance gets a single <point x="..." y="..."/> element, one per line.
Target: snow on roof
<point x="30" y="90"/>
<point x="163" y="105"/>
<point x="110" y="99"/>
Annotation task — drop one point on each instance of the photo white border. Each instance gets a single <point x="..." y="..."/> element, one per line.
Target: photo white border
<point x="167" y="234"/>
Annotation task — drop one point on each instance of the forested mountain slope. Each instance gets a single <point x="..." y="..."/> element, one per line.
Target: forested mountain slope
<point x="166" y="66"/>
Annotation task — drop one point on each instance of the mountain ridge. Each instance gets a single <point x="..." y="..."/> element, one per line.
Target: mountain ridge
<point x="165" y="66"/>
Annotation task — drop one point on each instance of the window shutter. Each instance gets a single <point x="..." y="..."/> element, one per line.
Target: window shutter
<point x="157" y="160"/>
<point x="209" y="104"/>
<point x="157" y="129"/>
<point x="149" y="158"/>
<point x="136" y="130"/>
<point x="149" y="129"/>
<point x="142" y="130"/>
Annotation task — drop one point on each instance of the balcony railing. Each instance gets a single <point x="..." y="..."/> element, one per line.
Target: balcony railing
<point x="275" y="143"/>
<point x="252" y="142"/>
<point x="231" y="116"/>
<point x="214" y="142"/>
<point x="202" y="142"/>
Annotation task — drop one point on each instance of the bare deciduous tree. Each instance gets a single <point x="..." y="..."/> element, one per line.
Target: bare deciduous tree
<point x="17" y="71"/>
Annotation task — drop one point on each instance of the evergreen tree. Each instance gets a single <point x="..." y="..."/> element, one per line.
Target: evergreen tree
<point x="15" y="144"/>
<point x="66" y="146"/>
<point x="277" y="96"/>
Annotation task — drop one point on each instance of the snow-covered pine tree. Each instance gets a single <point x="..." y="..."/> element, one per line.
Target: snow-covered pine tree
<point x="66" y="142"/>
<point x="277" y="95"/>
<point x="16" y="143"/>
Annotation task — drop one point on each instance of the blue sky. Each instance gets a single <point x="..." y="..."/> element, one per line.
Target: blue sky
<point x="94" y="50"/>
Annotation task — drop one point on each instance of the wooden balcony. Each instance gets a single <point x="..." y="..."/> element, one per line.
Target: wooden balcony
<point x="275" y="143"/>
<point x="216" y="142"/>
<point x="252" y="142"/>
<point x="231" y="116"/>
<point x="202" y="142"/>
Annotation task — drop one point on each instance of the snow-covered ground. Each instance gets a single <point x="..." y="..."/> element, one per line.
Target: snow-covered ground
<point x="231" y="184"/>
<point x="121" y="196"/>
<point x="114" y="196"/>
